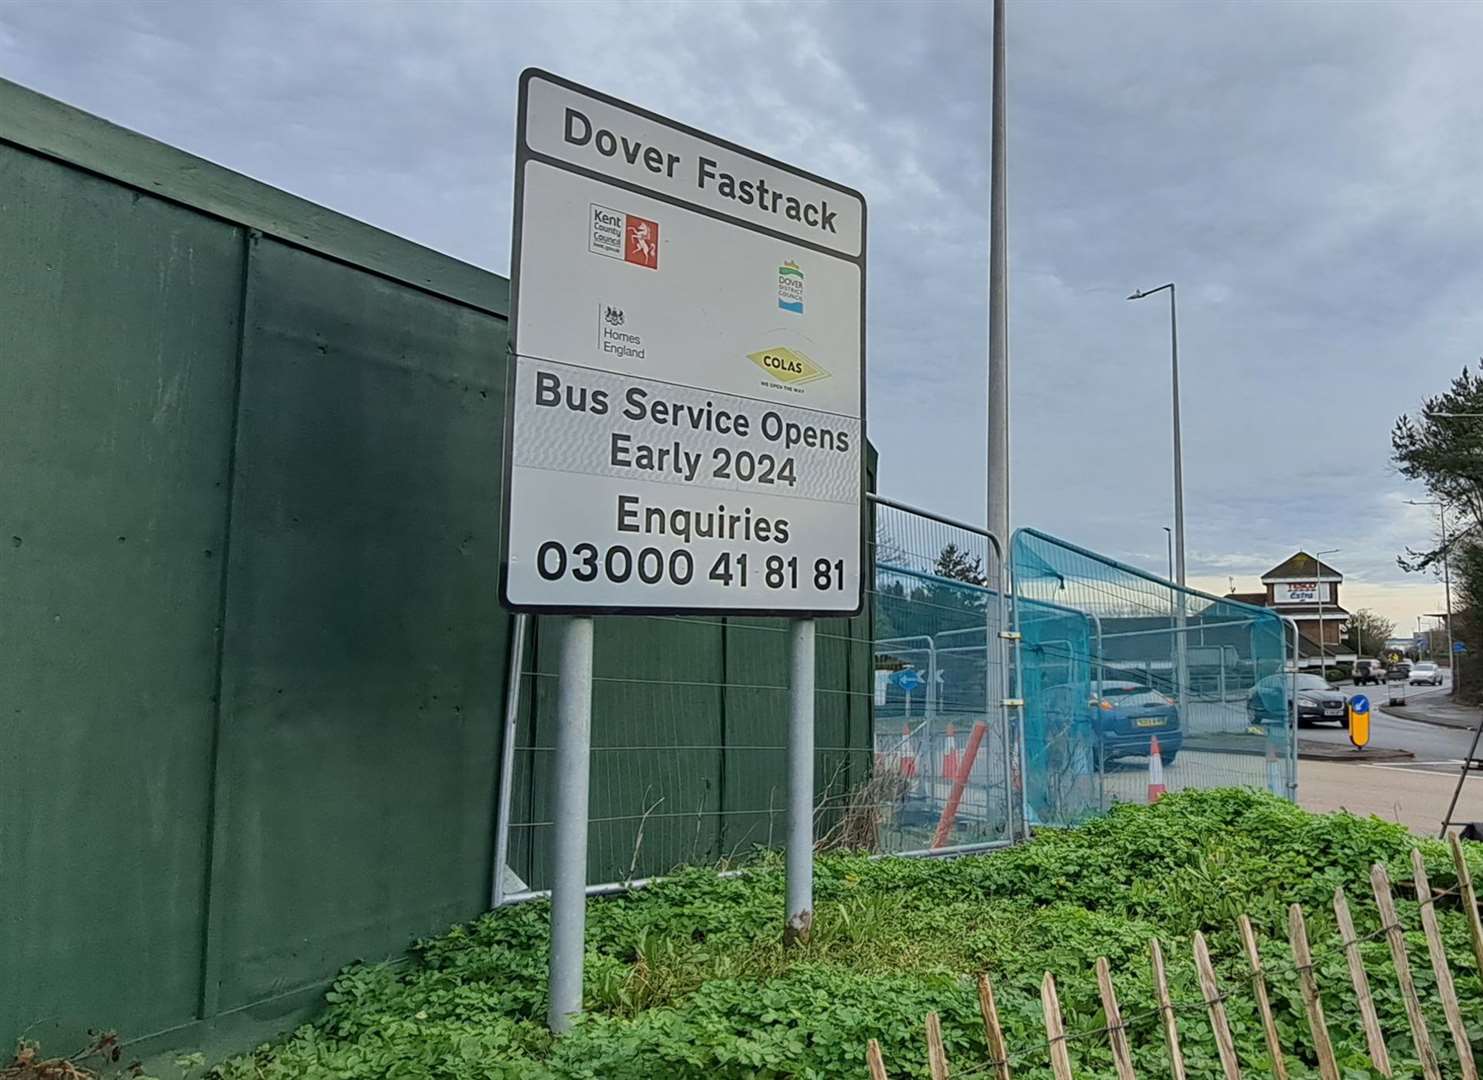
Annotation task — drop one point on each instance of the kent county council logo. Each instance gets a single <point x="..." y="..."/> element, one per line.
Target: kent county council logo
<point x="788" y="366"/>
<point x="790" y="287"/>
<point x="628" y="237"/>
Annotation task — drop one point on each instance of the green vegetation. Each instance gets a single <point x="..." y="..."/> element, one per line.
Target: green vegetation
<point x="688" y="979"/>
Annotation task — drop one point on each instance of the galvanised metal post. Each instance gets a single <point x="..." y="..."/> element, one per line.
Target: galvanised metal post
<point x="1323" y="656"/>
<point x="1292" y="720"/>
<point x="1452" y="655"/>
<point x="1183" y="667"/>
<point x="998" y="412"/>
<point x="800" y="856"/>
<point x="507" y="762"/>
<point x="571" y="771"/>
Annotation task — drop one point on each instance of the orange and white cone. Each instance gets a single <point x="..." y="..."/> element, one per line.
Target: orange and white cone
<point x="950" y="754"/>
<point x="908" y="754"/>
<point x="1155" y="771"/>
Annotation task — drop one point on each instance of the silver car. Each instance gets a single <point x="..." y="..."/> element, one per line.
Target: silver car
<point x="1426" y="673"/>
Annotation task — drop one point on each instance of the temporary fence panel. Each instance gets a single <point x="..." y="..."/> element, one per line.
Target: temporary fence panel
<point x="945" y="753"/>
<point x="688" y="744"/>
<point x="1112" y="658"/>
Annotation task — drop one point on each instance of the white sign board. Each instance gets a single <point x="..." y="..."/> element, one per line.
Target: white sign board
<point x="687" y="396"/>
<point x="1302" y="592"/>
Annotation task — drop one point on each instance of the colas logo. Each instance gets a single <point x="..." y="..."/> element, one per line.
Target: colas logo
<point x="788" y="365"/>
<point x="790" y="287"/>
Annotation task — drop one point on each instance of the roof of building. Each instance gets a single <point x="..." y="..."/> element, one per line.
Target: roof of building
<point x="1298" y="565"/>
<point x="1256" y="599"/>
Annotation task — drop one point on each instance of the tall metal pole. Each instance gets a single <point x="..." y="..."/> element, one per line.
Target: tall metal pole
<point x="1178" y="445"/>
<point x="571" y="771"/>
<point x="1447" y="589"/>
<point x="998" y="418"/>
<point x="1181" y="664"/>
<point x="1323" y="664"/>
<point x="800" y="855"/>
<point x="1179" y="511"/>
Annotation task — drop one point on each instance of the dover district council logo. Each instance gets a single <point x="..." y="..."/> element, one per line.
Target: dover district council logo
<point x="788" y="366"/>
<point x="790" y="287"/>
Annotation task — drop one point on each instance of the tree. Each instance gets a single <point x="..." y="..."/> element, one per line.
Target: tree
<point x="1443" y="448"/>
<point x="953" y="562"/>
<point x="1368" y="630"/>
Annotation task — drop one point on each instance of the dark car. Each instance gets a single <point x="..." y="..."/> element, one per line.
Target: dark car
<point x="1399" y="671"/>
<point x="1127" y="717"/>
<point x="1270" y="700"/>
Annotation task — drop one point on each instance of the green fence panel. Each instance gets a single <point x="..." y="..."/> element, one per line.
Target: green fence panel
<point x="363" y="672"/>
<point x="118" y="328"/>
<point x="252" y="662"/>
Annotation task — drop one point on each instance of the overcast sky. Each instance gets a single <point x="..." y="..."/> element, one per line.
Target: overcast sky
<point x="1310" y="174"/>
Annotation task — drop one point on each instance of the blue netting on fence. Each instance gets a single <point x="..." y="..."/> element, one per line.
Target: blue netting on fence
<point x="1112" y="659"/>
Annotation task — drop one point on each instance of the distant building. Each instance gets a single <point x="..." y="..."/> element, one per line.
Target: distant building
<point x="1307" y="591"/>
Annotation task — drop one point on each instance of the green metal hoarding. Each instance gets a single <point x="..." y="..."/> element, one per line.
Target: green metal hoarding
<point x="252" y="661"/>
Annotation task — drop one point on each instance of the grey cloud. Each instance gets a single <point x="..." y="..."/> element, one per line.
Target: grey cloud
<point x="1309" y="175"/>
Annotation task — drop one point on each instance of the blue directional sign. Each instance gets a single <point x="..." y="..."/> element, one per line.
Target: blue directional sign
<point x="908" y="679"/>
<point x="1359" y="703"/>
<point x="1458" y="646"/>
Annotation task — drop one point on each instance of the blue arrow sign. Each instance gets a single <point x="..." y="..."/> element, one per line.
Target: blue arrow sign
<point x="908" y="679"/>
<point x="1359" y="703"/>
<point x="1458" y="646"/>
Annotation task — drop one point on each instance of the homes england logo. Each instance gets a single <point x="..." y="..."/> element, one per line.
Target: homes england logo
<point x="616" y="338"/>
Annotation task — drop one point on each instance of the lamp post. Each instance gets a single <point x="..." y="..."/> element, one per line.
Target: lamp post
<point x="1446" y="571"/>
<point x="1178" y="532"/>
<point x="1323" y="663"/>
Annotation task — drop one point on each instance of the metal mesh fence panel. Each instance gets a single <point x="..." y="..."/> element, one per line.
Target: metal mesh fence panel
<point x="933" y="732"/>
<point x="1126" y="677"/>
<point x="689" y="753"/>
<point x="944" y="749"/>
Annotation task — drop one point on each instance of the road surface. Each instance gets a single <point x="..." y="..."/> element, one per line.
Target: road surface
<point x="1415" y="793"/>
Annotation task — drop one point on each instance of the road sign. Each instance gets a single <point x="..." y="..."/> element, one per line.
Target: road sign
<point x="1458" y="646"/>
<point x="687" y="394"/>
<point x="908" y="679"/>
<point x="1359" y="721"/>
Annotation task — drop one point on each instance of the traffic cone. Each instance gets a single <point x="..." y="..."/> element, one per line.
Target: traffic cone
<point x="1155" y="771"/>
<point x="950" y="754"/>
<point x="908" y="755"/>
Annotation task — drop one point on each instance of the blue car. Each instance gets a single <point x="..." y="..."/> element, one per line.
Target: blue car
<point x="1128" y="716"/>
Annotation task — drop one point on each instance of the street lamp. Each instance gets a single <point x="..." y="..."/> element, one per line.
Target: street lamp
<point x="1178" y="532"/>
<point x="1446" y="575"/>
<point x="1323" y="664"/>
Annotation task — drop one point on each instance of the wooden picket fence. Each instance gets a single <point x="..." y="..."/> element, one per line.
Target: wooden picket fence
<point x="1057" y="1041"/>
